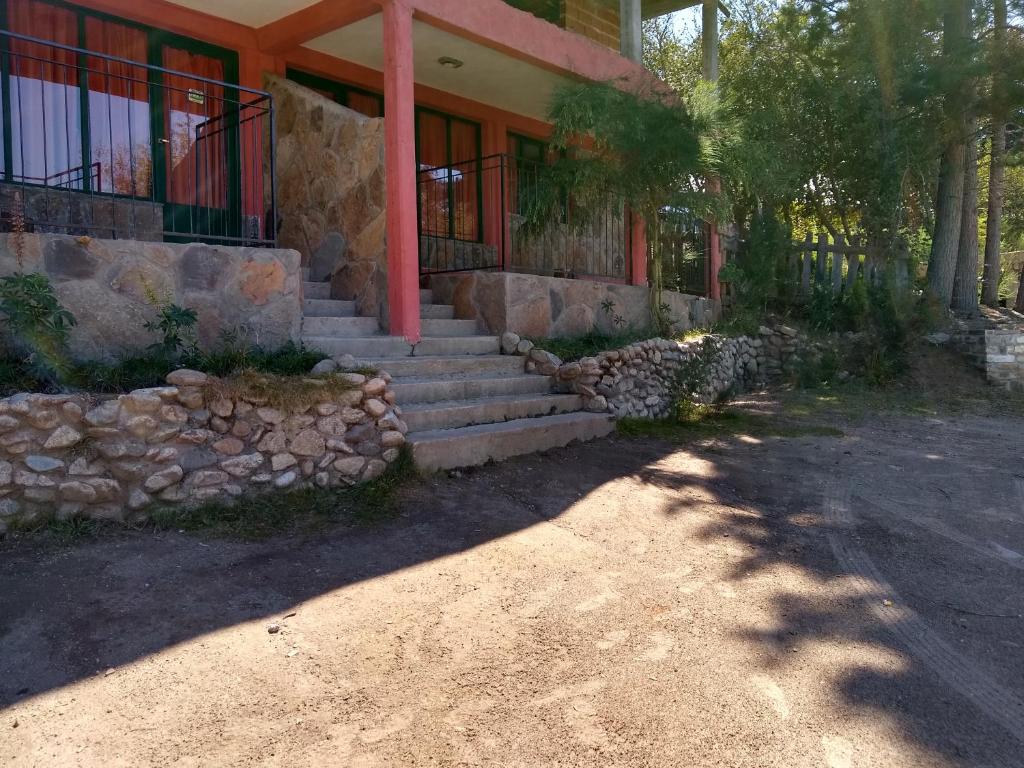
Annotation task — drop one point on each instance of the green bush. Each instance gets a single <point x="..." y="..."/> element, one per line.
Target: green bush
<point x="40" y="326"/>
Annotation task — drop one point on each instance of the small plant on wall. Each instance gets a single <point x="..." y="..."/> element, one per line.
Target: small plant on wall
<point x="176" y="326"/>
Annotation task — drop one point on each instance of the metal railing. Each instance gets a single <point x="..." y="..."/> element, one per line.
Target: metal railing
<point x="684" y="252"/>
<point x="472" y="215"/>
<point x="105" y="146"/>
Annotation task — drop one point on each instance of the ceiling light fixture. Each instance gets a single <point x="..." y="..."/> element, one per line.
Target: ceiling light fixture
<point x="448" y="61"/>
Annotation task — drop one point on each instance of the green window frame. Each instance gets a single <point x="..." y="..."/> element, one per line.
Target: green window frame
<point x="477" y="160"/>
<point x="156" y="40"/>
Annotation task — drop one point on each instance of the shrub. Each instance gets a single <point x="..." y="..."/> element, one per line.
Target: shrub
<point x="39" y="324"/>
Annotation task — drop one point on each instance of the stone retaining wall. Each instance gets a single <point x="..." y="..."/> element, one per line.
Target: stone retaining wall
<point x="995" y="346"/>
<point x="104" y="284"/>
<point x="644" y="379"/>
<point x="75" y="455"/>
<point x="554" y="307"/>
<point x="63" y="211"/>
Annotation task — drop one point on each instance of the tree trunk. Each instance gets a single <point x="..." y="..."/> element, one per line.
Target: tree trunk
<point x="965" y="283"/>
<point x="950" y="198"/>
<point x="1019" y="306"/>
<point x="993" y="232"/>
<point x="949" y="205"/>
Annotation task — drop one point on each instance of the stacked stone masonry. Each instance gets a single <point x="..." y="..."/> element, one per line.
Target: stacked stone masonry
<point x="998" y="353"/>
<point x="183" y="444"/>
<point x="109" y="285"/>
<point x="643" y="379"/>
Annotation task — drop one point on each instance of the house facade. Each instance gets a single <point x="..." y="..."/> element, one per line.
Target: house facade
<point x="392" y="143"/>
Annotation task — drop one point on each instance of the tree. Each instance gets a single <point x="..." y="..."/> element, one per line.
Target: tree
<point x="993" y="245"/>
<point x="617" y="149"/>
<point x="949" y="202"/>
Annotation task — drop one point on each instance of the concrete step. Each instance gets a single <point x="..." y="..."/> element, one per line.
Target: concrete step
<point x="437" y="311"/>
<point x="445" y="366"/>
<point x="426" y="296"/>
<point x="316" y="290"/>
<point x="488" y="410"/>
<point x="472" y="446"/>
<point x="328" y="308"/>
<point x="449" y="327"/>
<point x="394" y="346"/>
<point x="341" y="327"/>
<point x="440" y="389"/>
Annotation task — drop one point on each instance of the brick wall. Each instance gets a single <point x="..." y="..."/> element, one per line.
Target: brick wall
<point x="596" y="19"/>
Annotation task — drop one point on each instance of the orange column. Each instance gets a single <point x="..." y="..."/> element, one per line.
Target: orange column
<point x="400" y="172"/>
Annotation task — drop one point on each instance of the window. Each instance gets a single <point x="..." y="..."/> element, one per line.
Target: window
<point x="79" y="121"/>
<point x="366" y="102"/>
<point x="449" y="180"/>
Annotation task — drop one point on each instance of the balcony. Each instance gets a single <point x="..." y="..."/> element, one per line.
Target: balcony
<point x="111" y="147"/>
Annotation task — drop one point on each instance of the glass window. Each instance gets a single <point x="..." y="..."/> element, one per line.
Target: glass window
<point x="119" y="130"/>
<point x="46" y="131"/>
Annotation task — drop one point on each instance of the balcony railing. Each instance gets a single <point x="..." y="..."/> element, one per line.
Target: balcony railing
<point x="110" y="147"/>
<point x="472" y="216"/>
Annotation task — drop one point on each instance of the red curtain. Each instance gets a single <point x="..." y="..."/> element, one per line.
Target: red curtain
<point x="39" y="19"/>
<point x="433" y="185"/>
<point x="119" y="127"/>
<point x="364" y="103"/>
<point x="466" y="177"/>
<point x="197" y="170"/>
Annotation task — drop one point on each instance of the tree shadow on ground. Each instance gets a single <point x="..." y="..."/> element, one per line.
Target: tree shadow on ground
<point x="68" y="614"/>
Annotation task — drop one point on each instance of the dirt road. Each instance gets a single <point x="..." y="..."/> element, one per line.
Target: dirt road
<point x="739" y="601"/>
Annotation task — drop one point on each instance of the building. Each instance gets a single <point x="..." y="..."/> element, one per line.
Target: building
<point x="152" y="119"/>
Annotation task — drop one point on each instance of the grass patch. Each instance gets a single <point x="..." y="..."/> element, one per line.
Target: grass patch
<point x="592" y="344"/>
<point x="259" y="516"/>
<point x="284" y="392"/>
<point x="151" y="369"/>
<point x="704" y="421"/>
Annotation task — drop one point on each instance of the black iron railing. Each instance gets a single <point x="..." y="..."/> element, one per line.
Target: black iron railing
<point x="473" y="215"/>
<point x="684" y="252"/>
<point x="110" y="147"/>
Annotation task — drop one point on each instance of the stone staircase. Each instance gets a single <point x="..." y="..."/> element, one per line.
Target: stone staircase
<point x="464" y="402"/>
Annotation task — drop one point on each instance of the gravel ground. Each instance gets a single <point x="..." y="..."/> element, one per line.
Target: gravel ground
<point x="729" y="601"/>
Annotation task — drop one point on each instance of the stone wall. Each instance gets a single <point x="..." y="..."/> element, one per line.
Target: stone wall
<point x="994" y="344"/>
<point x="644" y="379"/>
<point x="59" y="211"/>
<point x="552" y="307"/>
<point x="104" y="283"/>
<point x="330" y="193"/>
<point x="74" y="455"/>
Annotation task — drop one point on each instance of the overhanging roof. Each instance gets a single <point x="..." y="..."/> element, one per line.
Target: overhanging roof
<point x="653" y="8"/>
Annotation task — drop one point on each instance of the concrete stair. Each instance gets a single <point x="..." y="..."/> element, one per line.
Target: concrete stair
<point x="463" y="402"/>
<point x="448" y="414"/>
<point x="475" y="445"/>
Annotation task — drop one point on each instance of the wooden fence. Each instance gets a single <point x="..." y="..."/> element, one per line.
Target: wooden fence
<point x="838" y="265"/>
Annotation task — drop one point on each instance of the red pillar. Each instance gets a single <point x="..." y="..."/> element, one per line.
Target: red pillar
<point x="400" y="170"/>
<point x="638" y="251"/>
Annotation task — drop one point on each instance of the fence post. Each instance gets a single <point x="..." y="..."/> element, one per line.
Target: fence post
<point x="819" y="272"/>
<point x="839" y="250"/>
<point x="853" y="262"/>
<point x="805" y="258"/>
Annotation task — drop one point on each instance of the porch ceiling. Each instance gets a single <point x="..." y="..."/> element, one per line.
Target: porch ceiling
<point x="250" y="13"/>
<point x="487" y="76"/>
